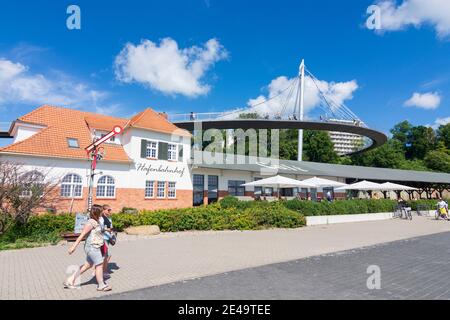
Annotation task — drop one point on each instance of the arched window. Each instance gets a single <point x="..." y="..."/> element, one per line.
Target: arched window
<point x="72" y="186"/>
<point x="32" y="184"/>
<point x="106" y="187"/>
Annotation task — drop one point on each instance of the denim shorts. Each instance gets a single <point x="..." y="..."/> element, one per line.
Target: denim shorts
<point x="94" y="256"/>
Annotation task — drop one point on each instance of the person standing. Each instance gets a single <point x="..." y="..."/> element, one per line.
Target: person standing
<point x="92" y="248"/>
<point x="107" y="229"/>
<point x="443" y="208"/>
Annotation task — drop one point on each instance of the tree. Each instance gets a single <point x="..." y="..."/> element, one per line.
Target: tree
<point x="417" y="165"/>
<point x="22" y="192"/>
<point x="422" y="140"/>
<point x="438" y="160"/>
<point x="401" y="132"/>
<point x="389" y="155"/>
<point x="288" y="144"/>
<point x="318" y="147"/>
<point x="443" y="134"/>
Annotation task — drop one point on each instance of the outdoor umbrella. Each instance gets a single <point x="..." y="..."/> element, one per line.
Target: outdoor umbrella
<point x="279" y="182"/>
<point x="320" y="182"/>
<point x="389" y="186"/>
<point x="363" y="186"/>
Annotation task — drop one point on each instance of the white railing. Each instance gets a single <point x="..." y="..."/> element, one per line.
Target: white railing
<point x="196" y="116"/>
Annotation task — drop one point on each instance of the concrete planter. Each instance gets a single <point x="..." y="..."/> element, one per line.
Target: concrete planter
<point x="344" y="218"/>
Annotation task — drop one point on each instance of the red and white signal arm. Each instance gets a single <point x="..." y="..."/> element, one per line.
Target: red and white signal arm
<point x="117" y="130"/>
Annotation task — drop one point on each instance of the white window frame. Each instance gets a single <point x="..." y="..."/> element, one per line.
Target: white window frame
<point x="26" y="192"/>
<point x="98" y="134"/>
<point x="72" y="185"/>
<point x="170" y="152"/>
<point x="106" y="185"/>
<point x="172" y="189"/>
<point x="149" y="142"/>
<point x="75" y="140"/>
<point x="147" y="187"/>
<point x="158" y="189"/>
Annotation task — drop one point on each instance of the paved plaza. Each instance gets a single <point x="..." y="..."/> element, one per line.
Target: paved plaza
<point x="413" y="268"/>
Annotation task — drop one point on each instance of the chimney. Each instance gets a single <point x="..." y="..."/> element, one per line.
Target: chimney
<point x="164" y="115"/>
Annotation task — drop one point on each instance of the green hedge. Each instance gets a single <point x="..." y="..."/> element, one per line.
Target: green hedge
<point x="311" y="208"/>
<point x="215" y="217"/>
<point x="228" y="214"/>
<point x="43" y="228"/>
<point x="220" y="216"/>
<point x="429" y="204"/>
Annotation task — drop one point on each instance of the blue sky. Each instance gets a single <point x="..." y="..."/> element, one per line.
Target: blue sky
<point x="218" y="55"/>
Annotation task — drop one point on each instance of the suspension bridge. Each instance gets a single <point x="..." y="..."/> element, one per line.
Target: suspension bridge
<point x="286" y="110"/>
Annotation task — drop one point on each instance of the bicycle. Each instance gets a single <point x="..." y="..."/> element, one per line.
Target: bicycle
<point x="408" y="213"/>
<point x="402" y="212"/>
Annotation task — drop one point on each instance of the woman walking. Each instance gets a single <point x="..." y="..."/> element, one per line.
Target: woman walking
<point x="107" y="228"/>
<point x="92" y="248"/>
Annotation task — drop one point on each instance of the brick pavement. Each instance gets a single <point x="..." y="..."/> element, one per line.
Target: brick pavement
<point x="144" y="262"/>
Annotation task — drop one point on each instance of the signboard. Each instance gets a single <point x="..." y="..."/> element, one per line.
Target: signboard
<point x="80" y="221"/>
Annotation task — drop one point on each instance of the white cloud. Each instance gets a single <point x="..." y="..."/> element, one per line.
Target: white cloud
<point x="338" y="92"/>
<point x="168" y="68"/>
<point x="429" y="100"/>
<point x="19" y="86"/>
<point x="416" y="12"/>
<point x="439" y="122"/>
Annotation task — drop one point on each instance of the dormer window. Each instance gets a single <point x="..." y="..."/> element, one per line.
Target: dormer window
<point x="112" y="139"/>
<point x="100" y="134"/>
<point x="73" y="143"/>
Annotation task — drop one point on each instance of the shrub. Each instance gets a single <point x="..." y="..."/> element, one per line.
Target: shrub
<point x="310" y="208"/>
<point x="215" y="217"/>
<point x="428" y="204"/>
<point x="227" y="214"/>
<point x="44" y="228"/>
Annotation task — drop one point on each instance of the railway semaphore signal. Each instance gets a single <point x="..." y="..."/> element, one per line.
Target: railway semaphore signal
<point x="95" y="154"/>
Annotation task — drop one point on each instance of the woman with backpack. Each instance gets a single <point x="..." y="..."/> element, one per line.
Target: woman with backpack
<point x="92" y="248"/>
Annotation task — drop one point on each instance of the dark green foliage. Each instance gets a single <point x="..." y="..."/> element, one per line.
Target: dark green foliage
<point x="318" y="147"/>
<point x="311" y="208"/>
<point x="39" y="229"/>
<point x="438" y="161"/>
<point x="443" y="134"/>
<point x="228" y="214"/>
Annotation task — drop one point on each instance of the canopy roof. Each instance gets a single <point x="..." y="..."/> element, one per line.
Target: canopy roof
<point x="362" y="185"/>
<point x="279" y="182"/>
<point x="302" y="168"/>
<point x="388" y="186"/>
<point x="320" y="182"/>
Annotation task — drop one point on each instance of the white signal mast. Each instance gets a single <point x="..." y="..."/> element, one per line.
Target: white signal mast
<point x="94" y="155"/>
<point x="300" y="99"/>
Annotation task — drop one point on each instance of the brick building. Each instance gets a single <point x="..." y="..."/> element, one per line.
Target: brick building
<point x="150" y="165"/>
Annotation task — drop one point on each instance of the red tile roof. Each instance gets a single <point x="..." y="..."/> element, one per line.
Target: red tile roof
<point x="150" y="119"/>
<point x="62" y="123"/>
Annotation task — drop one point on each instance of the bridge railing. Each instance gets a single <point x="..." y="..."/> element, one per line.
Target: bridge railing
<point x="203" y="116"/>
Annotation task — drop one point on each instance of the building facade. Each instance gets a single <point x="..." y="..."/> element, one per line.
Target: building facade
<point x="151" y="165"/>
<point x="344" y="142"/>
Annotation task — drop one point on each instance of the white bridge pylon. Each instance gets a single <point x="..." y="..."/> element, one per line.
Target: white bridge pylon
<point x="291" y="103"/>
